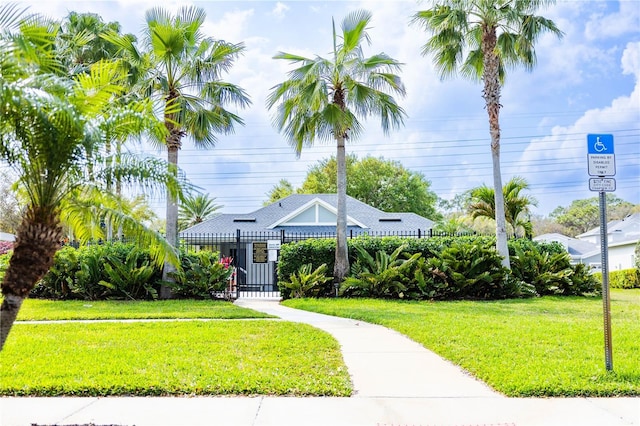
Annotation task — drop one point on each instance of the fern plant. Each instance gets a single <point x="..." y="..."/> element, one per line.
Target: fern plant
<point x="307" y="283"/>
<point x="384" y="276"/>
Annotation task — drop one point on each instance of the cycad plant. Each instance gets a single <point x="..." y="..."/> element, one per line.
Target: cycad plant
<point x="384" y="275"/>
<point x="47" y="129"/>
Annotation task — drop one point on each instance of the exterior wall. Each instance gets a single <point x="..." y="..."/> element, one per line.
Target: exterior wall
<point x="621" y="257"/>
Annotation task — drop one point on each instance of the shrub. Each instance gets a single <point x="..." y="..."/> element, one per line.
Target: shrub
<point x="5" y="246"/>
<point x="305" y="282"/>
<point x="469" y="271"/>
<point x="91" y="273"/>
<point x="202" y="275"/>
<point x="132" y="279"/>
<point x="626" y="278"/>
<point x="59" y="281"/>
<point x="4" y="263"/>
<point x="551" y="273"/>
<point x="383" y="276"/>
<point x="449" y="267"/>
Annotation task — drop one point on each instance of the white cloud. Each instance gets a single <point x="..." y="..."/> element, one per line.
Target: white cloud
<point x="279" y="11"/>
<point x="231" y="27"/>
<point x="631" y="59"/>
<point x="626" y="20"/>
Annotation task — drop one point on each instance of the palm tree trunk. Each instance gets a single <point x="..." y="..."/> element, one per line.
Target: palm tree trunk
<point x="171" y="225"/>
<point x="37" y="240"/>
<point x="341" y="267"/>
<point x="491" y="95"/>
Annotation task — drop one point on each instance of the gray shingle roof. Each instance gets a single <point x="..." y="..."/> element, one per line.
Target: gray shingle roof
<point x="261" y="219"/>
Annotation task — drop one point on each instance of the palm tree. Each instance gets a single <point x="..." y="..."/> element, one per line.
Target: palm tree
<point x="196" y="209"/>
<point x="516" y="205"/>
<point x="183" y="69"/>
<point x="480" y="39"/>
<point x="325" y="99"/>
<point x="46" y="130"/>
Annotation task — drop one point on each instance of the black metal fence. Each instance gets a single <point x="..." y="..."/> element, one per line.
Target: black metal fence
<point x="199" y="240"/>
<point x="256" y="272"/>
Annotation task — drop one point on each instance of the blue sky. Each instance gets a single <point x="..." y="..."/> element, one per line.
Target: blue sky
<point x="588" y="82"/>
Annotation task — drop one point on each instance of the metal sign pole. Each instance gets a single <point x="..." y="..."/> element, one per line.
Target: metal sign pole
<point x="606" y="303"/>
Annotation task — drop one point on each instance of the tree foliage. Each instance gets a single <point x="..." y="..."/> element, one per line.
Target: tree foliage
<point x="327" y="99"/>
<point x="383" y="184"/>
<point x="196" y="209"/>
<point x="582" y="215"/>
<point x="282" y="189"/>
<point x="480" y="39"/>
<point x="516" y="204"/>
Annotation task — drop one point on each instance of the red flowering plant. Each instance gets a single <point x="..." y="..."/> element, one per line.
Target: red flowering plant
<point x="5" y="246"/>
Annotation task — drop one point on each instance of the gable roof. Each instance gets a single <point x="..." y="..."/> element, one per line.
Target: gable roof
<point x="574" y="246"/>
<point x="319" y="211"/>
<point x="362" y="217"/>
<point x="629" y="226"/>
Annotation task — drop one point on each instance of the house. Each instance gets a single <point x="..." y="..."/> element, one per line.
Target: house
<point x="622" y="238"/>
<point x="253" y="239"/>
<point x="4" y="236"/>
<point x="575" y="247"/>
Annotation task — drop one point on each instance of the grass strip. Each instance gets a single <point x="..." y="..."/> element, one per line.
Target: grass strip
<point x="551" y="346"/>
<point x="40" y="310"/>
<point x="180" y="358"/>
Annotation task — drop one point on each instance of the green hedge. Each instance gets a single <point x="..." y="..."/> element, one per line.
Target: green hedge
<point x="447" y="268"/>
<point x="626" y="278"/>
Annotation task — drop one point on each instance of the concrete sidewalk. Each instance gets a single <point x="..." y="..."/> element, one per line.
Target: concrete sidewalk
<point x="397" y="382"/>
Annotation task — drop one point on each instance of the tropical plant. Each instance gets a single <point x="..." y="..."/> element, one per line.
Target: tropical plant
<point x="307" y="282"/>
<point x="201" y="276"/>
<point x="325" y="99"/>
<point x="466" y="270"/>
<point x="47" y="130"/>
<point x="383" y="276"/>
<point x="79" y="43"/>
<point x="196" y="209"/>
<point x="131" y="278"/>
<point x="551" y="273"/>
<point x="182" y="68"/>
<point x="480" y="39"/>
<point x="516" y="205"/>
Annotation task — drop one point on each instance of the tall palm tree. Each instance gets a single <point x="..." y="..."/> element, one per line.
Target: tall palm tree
<point x="46" y="129"/>
<point x="196" y="209"/>
<point x="325" y="99"/>
<point x="480" y="39"/>
<point x="516" y="205"/>
<point x="183" y="69"/>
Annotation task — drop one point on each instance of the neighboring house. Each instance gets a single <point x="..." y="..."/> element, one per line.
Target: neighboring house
<point x="7" y="237"/>
<point x="575" y="247"/>
<point x="622" y="238"/>
<point x="253" y="239"/>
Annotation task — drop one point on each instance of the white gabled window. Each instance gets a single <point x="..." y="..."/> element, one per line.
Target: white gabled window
<point x="314" y="213"/>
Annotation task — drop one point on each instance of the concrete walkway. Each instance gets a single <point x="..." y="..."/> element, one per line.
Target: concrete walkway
<point x="397" y="383"/>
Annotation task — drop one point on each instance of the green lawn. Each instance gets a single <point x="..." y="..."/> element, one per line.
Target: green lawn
<point x="551" y="346"/>
<point x="39" y="309"/>
<point x="172" y="358"/>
